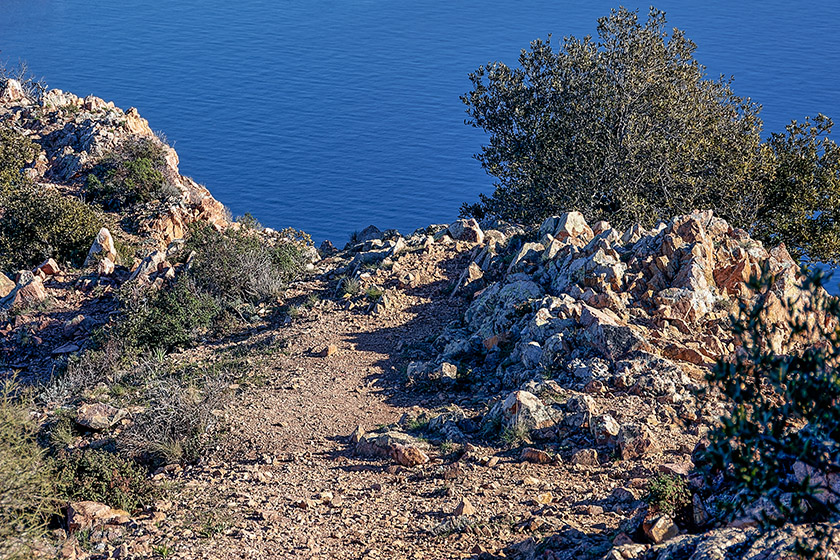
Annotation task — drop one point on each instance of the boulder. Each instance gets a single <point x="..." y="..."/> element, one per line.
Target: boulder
<point x="586" y="457"/>
<point x="522" y="411"/>
<point x="82" y="516"/>
<point x="466" y="230"/>
<point x="148" y="266"/>
<point x="12" y="92"/>
<point x="28" y="291"/>
<point x="380" y="444"/>
<point x="6" y="285"/>
<point x="103" y="246"/>
<point x="568" y="225"/>
<point x="408" y="455"/>
<point x="660" y="529"/>
<point x="49" y="267"/>
<point x="370" y="232"/>
<point x="636" y="441"/>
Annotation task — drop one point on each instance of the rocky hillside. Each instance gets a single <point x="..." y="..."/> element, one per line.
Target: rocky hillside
<point x="467" y="391"/>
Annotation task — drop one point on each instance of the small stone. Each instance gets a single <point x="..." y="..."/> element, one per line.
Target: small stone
<point x="329" y="350"/>
<point x="105" y="267"/>
<point x="99" y="416"/>
<point x="464" y="508"/>
<point x="531" y="481"/>
<point x="660" y="529"/>
<point x="357" y="435"/>
<point x="586" y="457"/>
<point x="545" y="498"/>
<point x="536" y="456"/>
<point x="49" y="267"/>
<point x="408" y="455"/>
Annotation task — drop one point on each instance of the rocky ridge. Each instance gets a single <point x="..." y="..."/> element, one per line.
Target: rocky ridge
<point x="470" y="390"/>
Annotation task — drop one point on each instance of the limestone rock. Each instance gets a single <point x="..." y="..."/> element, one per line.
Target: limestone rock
<point x="102" y="247"/>
<point x="586" y="457"/>
<point x="6" y="285"/>
<point x="539" y="456"/>
<point x="408" y="455"/>
<point x="660" y="529"/>
<point x="12" y="92"/>
<point x="49" y="267"/>
<point x="568" y="225"/>
<point x="99" y="416"/>
<point x="636" y="441"/>
<point x="82" y="516"/>
<point x="28" y="291"/>
<point x="522" y="411"/>
<point x="464" y="507"/>
<point x="466" y="230"/>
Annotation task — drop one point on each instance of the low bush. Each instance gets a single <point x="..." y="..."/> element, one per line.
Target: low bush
<point x="27" y="493"/>
<point x="135" y="172"/>
<point x="780" y="441"/>
<point x="100" y="475"/>
<point x="37" y="223"/>
<point x="166" y="318"/>
<point x="16" y="151"/>
<point x="238" y="266"/>
<point x="178" y="424"/>
<point x="668" y="493"/>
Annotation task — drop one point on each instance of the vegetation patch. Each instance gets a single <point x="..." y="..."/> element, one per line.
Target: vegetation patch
<point x="135" y="172"/>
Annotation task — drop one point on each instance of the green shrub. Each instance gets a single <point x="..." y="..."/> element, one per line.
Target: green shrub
<point x="135" y="172"/>
<point x="102" y="476"/>
<point x="38" y="223"/>
<point x="238" y="266"/>
<point x="16" y="151"/>
<point x="169" y="317"/>
<point x="784" y="405"/>
<point x="27" y="495"/>
<point x="668" y="493"/>
<point x="626" y="127"/>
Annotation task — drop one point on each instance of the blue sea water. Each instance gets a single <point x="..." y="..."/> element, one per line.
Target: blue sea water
<point x="331" y="115"/>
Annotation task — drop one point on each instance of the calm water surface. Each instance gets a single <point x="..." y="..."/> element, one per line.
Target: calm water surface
<point x="329" y="115"/>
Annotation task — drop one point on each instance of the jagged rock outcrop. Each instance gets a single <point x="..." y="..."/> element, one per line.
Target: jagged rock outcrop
<point x="74" y="134"/>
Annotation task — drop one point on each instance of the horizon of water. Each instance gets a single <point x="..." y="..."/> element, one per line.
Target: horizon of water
<point x="330" y="116"/>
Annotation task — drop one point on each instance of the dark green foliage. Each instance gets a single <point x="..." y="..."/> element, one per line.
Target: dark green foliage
<point x="101" y="476"/>
<point x="626" y="127"/>
<point x="773" y="395"/>
<point x="37" y="223"/>
<point x="669" y="493"/>
<point x="800" y="202"/>
<point x="16" y="151"/>
<point x="238" y="266"/>
<point x="135" y="172"/>
<point x="27" y="497"/>
<point x="166" y="318"/>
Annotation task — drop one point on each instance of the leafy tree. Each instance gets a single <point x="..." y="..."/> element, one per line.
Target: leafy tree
<point x="800" y="201"/>
<point x="626" y="127"/>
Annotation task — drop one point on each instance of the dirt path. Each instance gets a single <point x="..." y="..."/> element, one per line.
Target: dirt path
<point x="291" y="486"/>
